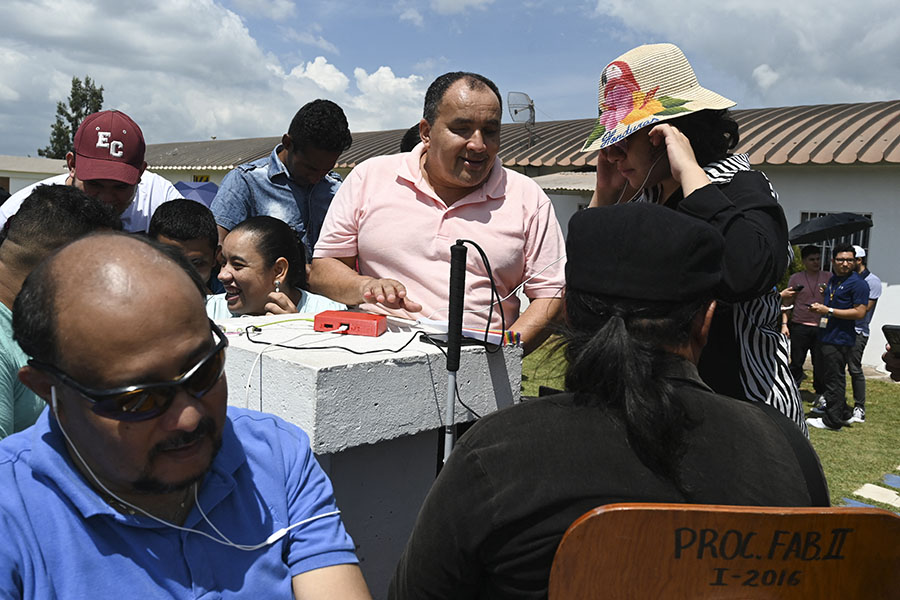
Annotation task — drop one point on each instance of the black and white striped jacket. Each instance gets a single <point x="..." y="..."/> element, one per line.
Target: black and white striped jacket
<point x="747" y="355"/>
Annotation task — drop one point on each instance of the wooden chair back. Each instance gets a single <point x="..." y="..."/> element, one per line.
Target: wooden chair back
<point x="676" y="551"/>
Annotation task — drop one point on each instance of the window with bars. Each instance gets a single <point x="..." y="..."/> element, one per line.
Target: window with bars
<point x="860" y="238"/>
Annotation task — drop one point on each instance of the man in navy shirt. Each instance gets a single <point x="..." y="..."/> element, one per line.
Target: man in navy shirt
<point x="846" y="297"/>
<point x="140" y="481"/>
<point x="295" y="182"/>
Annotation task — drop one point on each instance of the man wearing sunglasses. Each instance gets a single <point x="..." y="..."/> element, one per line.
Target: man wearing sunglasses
<point x="140" y="481"/>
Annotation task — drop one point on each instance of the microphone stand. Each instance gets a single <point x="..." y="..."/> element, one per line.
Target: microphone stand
<point x="454" y="336"/>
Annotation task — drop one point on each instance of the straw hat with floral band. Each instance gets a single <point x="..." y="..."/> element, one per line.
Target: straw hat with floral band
<point x="645" y="86"/>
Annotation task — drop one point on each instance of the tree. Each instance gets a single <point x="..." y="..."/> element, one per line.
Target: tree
<point x="84" y="99"/>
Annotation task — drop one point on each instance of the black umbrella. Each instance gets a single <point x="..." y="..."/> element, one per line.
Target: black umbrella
<point x="828" y="227"/>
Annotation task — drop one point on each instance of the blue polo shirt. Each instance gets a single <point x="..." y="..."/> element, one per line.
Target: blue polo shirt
<point x="61" y="540"/>
<point x="263" y="187"/>
<point x="843" y="292"/>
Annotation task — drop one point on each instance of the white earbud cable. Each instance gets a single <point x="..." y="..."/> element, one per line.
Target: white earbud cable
<point x="224" y="541"/>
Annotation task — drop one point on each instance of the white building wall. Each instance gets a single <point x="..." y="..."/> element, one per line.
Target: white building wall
<point x="565" y="204"/>
<point x="17" y="181"/>
<point x="862" y="189"/>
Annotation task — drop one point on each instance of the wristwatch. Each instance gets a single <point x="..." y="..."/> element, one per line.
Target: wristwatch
<point x="830" y="311"/>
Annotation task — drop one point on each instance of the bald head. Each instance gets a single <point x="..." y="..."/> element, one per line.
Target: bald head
<point x="109" y="281"/>
<point x="119" y="269"/>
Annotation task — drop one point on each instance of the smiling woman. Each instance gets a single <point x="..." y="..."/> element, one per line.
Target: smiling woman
<point x="264" y="272"/>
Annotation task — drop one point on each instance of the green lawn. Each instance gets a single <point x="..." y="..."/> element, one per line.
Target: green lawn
<point x="860" y="454"/>
<point x="865" y="452"/>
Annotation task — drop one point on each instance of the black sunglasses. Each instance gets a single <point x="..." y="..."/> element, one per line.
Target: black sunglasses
<point x="621" y="146"/>
<point x="147" y="401"/>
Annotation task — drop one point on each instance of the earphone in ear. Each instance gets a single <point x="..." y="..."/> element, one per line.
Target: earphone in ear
<point x="53" y="404"/>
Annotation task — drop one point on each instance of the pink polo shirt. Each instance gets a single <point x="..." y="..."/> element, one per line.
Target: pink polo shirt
<point x="809" y="294"/>
<point x="387" y="215"/>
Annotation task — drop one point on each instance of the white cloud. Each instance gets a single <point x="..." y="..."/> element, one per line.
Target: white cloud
<point x="270" y="9"/>
<point x="305" y="37"/>
<point x="821" y="50"/>
<point x="765" y="76"/>
<point x="413" y="16"/>
<point x="9" y="59"/>
<point x="386" y="101"/>
<point x="321" y="74"/>
<point x="183" y="71"/>
<point x="449" y="7"/>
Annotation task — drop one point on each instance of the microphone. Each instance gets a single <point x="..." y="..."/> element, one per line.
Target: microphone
<point x="454" y="336"/>
<point x="455" y="316"/>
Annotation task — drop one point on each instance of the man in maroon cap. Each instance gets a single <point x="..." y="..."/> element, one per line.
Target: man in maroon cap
<point x="108" y="164"/>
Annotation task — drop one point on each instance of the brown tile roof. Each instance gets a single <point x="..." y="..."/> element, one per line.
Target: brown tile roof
<point x="822" y="134"/>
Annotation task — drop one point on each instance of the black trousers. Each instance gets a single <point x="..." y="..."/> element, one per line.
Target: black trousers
<point x="834" y="365"/>
<point x="805" y="338"/>
<point x="857" y="377"/>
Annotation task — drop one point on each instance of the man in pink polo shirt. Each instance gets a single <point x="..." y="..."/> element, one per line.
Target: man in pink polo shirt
<point x="805" y="288"/>
<point x="395" y="218"/>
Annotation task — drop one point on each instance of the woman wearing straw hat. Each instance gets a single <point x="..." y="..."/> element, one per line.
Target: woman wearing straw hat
<point x="665" y="139"/>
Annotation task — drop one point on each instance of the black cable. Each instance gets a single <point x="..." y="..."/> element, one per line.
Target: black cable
<point x="357" y="352"/>
<point x="494" y="294"/>
<point x="456" y="385"/>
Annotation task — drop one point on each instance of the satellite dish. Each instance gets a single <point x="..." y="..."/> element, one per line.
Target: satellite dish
<point x="521" y="109"/>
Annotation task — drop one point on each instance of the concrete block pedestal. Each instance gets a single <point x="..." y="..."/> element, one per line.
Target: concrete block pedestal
<point x="373" y="419"/>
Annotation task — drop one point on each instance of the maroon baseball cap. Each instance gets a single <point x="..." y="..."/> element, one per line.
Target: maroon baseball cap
<point x="109" y="145"/>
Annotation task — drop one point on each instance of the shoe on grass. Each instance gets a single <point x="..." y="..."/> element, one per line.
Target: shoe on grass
<point x="819" y="423"/>
<point x="859" y="416"/>
<point x="818" y="407"/>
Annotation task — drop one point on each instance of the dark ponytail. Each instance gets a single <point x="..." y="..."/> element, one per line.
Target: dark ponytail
<point x="615" y="352"/>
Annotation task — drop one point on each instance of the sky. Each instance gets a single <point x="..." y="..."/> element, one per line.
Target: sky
<point x="188" y="70"/>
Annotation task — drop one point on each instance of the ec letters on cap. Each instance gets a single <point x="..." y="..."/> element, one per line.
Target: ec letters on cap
<point x="115" y="147"/>
<point x="109" y="145"/>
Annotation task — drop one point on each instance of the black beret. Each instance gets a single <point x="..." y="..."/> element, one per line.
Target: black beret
<point x="642" y="251"/>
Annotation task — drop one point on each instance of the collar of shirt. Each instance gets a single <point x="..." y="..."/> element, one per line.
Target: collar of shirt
<point x="276" y="167"/>
<point x="684" y="370"/>
<point x="50" y="460"/>
<point x="493" y="188"/>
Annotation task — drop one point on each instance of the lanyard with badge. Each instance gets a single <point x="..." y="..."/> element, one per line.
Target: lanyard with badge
<point x="823" y="321"/>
